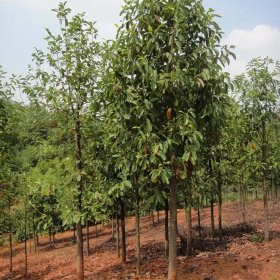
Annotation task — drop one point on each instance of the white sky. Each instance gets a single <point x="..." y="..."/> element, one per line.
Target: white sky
<point x="253" y="26"/>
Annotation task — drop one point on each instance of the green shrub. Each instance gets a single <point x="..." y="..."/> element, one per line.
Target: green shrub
<point x="256" y="238"/>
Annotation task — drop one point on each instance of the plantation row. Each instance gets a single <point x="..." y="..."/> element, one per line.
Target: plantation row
<point x="149" y="121"/>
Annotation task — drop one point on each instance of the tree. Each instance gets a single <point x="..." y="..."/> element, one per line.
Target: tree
<point x="259" y="94"/>
<point x="166" y="75"/>
<point x="68" y="87"/>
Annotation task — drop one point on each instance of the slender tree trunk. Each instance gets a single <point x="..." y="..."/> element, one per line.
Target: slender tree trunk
<point x="189" y="217"/>
<point x="172" y="261"/>
<point x="166" y="229"/>
<point x="220" y="200"/>
<point x="153" y="218"/>
<point x="96" y="229"/>
<point x="137" y="226"/>
<point x="37" y="240"/>
<point x="243" y="206"/>
<point x="11" y="252"/>
<point x="79" y="168"/>
<point x="158" y="217"/>
<point x="198" y="218"/>
<point x="113" y="228"/>
<point x="53" y="235"/>
<point x="50" y="237"/>
<point x="212" y="201"/>
<point x="87" y="237"/>
<point x="273" y="186"/>
<point x="30" y="245"/>
<point x="80" y="255"/>
<point x="212" y="215"/>
<point x="189" y="229"/>
<point x="118" y="232"/>
<point x="25" y="245"/>
<point x="34" y="234"/>
<point x="123" y="232"/>
<point x="265" y="185"/>
<point x="266" y="212"/>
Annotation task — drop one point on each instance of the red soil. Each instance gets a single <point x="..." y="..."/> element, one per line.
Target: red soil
<point x="236" y="257"/>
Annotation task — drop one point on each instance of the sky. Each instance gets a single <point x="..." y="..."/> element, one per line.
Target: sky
<point x="253" y="26"/>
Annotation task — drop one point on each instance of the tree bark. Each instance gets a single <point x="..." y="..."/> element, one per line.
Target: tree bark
<point x="265" y="186"/>
<point x="137" y="227"/>
<point x="189" y="229"/>
<point x="172" y="261"/>
<point x="25" y="245"/>
<point x="212" y="201"/>
<point x="80" y="255"/>
<point x="79" y="167"/>
<point x="113" y="227"/>
<point x="212" y="215"/>
<point x="153" y="217"/>
<point x="87" y="237"/>
<point x="118" y="232"/>
<point x="243" y="207"/>
<point x="53" y="235"/>
<point x="123" y="232"/>
<point x="220" y="200"/>
<point x="96" y="229"/>
<point x="34" y="234"/>
<point x="10" y="252"/>
<point x="37" y="240"/>
<point x="166" y="229"/>
<point x="50" y="237"/>
<point x="198" y="218"/>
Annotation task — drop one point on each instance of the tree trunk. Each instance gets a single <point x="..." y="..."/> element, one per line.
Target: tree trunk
<point x="243" y="207"/>
<point x="30" y="245"/>
<point x="123" y="232"/>
<point x="25" y="246"/>
<point x="87" y="237"/>
<point x="11" y="252"/>
<point x="212" y="215"/>
<point x="273" y="186"/>
<point x="79" y="168"/>
<point x="172" y="261"/>
<point x="37" y="240"/>
<point x="80" y="255"/>
<point x="212" y="201"/>
<point x="265" y="186"/>
<point x="198" y="218"/>
<point x="96" y="229"/>
<point x="50" y="237"/>
<point x="220" y="200"/>
<point x="153" y="218"/>
<point x="113" y="227"/>
<point x="189" y="229"/>
<point x="118" y="232"/>
<point x="166" y="229"/>
<point x="158" y="217"/>
<point x="34" y="234"/>
<point x="137" y="227"/>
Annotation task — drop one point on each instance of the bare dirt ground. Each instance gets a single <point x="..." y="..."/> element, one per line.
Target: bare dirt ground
<point x="238" y="256"/>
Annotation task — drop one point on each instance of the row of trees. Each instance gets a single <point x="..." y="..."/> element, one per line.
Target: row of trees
<point x="145" y="120"/>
